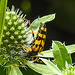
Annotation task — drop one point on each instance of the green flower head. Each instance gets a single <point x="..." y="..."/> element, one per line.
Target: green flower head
<point x="15" y="32"/>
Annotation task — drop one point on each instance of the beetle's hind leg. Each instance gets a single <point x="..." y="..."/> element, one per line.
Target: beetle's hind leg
<point x="24" y="48"/>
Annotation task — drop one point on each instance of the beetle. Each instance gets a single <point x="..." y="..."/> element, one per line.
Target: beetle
<point x="38" y="43"/>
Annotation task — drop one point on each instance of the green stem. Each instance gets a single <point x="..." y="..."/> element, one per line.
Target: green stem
<point x="3" y="5"/>
<point x="8" y="69"/>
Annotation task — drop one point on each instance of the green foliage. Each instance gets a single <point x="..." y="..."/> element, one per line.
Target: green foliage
<point x="49" y="53"/>
<point x="53" y="68"/>
<point x="62" y="63"/>
<point x="61" y="54"/>
<point x="42" y="69"/>
<point x="61" y="58"/>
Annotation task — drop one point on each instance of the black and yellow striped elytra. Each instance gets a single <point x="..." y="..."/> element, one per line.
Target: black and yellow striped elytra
<point x="38" y="43"/>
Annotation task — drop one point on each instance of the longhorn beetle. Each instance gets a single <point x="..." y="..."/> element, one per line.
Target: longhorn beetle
<point x="38" y="43"/>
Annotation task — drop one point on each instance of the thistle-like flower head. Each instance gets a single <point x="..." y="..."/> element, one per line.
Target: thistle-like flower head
<point x="15" y="32"/>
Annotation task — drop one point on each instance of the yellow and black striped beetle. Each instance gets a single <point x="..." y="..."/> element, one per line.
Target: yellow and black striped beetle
<point x="38" y="43"/>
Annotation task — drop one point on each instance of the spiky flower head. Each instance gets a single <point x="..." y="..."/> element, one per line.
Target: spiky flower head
<point x="15" y="32"/>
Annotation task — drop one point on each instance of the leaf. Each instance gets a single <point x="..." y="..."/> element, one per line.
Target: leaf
<point x="15" y="71"/>
<point x="71" y="48"/>
<point x="3" y="5"/>
<point x="47" y="54"/>
<point x="40" y="68"/>
<point x="61" y="54"/>
<point x="53" y="68"/>
<point x="36" y="23"/>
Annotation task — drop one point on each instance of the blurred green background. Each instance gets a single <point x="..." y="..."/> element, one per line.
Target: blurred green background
<point x="62" y="28"/>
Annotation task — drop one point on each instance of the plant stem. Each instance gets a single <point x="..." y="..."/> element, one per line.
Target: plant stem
<point x="8" y="69"/>
<point x="3" y="5"/>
